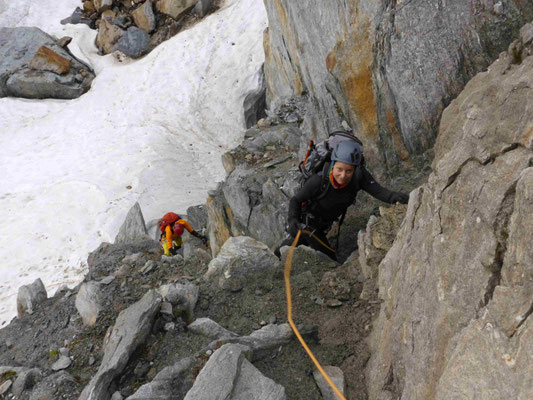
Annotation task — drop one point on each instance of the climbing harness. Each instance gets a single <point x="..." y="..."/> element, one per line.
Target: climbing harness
<point x="287" y="274"/>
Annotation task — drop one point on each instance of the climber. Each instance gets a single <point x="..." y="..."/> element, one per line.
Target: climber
<point x="172" y="227"/>
<point x="325" y="197"/>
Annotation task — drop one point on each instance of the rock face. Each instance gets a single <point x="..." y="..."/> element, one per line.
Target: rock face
<point x="34" y="65"/>
<point x="243" y="260"/>
<point x="456" y="285"/>
<point x="131" y="328"/>
<point x="133" y="229"/>
<point x="252" y="200"/>
<point x="410" y="61"/>
<point x="375" y="242"/>
<point x="29" y="296"/>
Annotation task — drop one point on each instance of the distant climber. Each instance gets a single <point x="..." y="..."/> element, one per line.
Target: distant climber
<point x="172" y="227"/>
<point x="326" y="195"/>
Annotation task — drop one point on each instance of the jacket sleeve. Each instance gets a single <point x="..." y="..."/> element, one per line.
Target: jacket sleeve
<point x="186" y="225"/>
<point x="369" y="185"/>
<point x="168" y="235"/>
<point x="307" y="192"/>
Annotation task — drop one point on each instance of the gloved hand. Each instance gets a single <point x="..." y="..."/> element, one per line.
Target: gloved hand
<point x="204" y="240"/>
<point x="399" y="197"/>
<point x="294" y="227"/>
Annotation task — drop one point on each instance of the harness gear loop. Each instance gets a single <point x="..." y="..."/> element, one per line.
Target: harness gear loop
<point x="287" y="274"/>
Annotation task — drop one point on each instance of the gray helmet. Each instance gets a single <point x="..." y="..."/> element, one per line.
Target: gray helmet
<point x="348" y="152"/>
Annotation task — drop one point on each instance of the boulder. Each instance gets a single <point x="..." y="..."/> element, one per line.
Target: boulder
<point x="230" y="375"/>
<point x="62" y="363"/>
<point x="455" y="285"/>
<point x="243" y="261"/>
<point x="29" y="296"/>
<point x="130" y="330"/>
<point x="263" y="342"/>
<point x="410" y="61"/>
<point x="175" y="8"/>
<point x="34" y="65"/>
<point x="26" y="380"/>
<point x="337" y="377"/>
<point x="133" y="229"/>
<point x="134" y="42"/>
<point x="183" y="296"/>
<point x="108" y="35"/>
<point x="171" y="382"/>
<point x="208" y="327"/>
<point x="89" y="302"/>
<point x="256" y="140"/>
<point x="143" y="16"/>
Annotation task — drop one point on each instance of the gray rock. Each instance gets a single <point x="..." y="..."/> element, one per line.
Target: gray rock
<point x="89" y="302"/>
<point x="29" y="296"/>
<point x="252" y="384"/>
<point x="107" y="280"/>
<point x="306" y="258"/>
<point x="166" y="308"/>
<point x="108" y="35"/>
<point x="144" y="17"/>
<point x="197" y="217"/>
<point x="281" y="135"/>
<point x="117" y="396"/>
<point x="230" y="375"/>
<point x="219" y="374"/>
<point x="202" y="8"/>
<point x="337" y="377"/>
<point x="134" y="43"/>
<point x="26" y="380"/>
<point x="133" y="229"/>
<point x="133" y="258"/>
<point x="208" y="327"/>
<point x="55" y="386"/>
<point x="4" y="387"/>
<point x="175" y="8"/>
<point x="456" y="282"/>
<point x="18" y="47"/>
<point x="243" y="261"/>
<point x="183" y="296"/>
<point x="62" y="363"/>
<point x="130" y="330"/>
<point x="266" y="340"/>
<point x="172" y="382"/>
<point x="148" y="267"/>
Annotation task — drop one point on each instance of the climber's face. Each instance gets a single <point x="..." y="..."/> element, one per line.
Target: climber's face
<point x="343" y="172"/>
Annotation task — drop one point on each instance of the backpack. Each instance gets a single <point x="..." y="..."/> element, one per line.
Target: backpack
<point x="168" y="219"/>
<point x="317" y="156"/>
<point x="317" y="160"/>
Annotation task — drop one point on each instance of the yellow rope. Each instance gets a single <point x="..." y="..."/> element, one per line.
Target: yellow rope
<point x="288" y="266"/>
<point x="317" y="239"/>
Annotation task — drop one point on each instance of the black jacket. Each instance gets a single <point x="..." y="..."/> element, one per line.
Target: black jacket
<point x="323" y="210"/>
